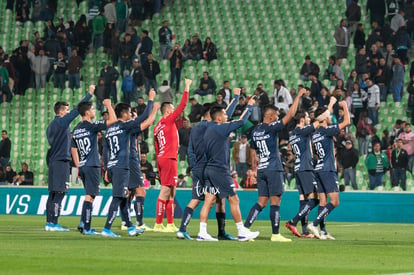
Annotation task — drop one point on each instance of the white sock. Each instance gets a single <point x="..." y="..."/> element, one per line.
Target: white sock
<point x="203" y="228"/>
<point x="240" y="227"/>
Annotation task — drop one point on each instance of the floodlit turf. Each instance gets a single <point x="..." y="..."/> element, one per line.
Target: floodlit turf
<point x="359" y="249"/>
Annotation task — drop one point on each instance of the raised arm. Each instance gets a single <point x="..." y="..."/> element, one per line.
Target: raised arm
<point x="184" y="100"/>
<point x="332" y="102"/>
<point x="234" y="125"/>
<point x="147" y="123"/>
<point x="112" y="117"/>
<point x="67" y="119"/>
<point x="233" y="103"/>
<point x="292" y="110"/>
<point x="148" y="109"/>
<point x="347" y="119"/>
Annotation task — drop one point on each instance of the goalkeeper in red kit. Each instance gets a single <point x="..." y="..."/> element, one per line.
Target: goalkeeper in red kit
<point x="166" y="149"/>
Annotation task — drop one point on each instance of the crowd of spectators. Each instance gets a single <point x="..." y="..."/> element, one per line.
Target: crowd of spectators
<point x="381" y="59"/>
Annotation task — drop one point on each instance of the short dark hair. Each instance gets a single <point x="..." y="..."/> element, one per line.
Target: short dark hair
<point x="104" y="113"/>
<point x="163" y="105"/>
<point x="206" y="108"/>
<point x="215" y="110"/>
<point x="121" y="108"/>
<point x="299" y="115"/>
<point x="83" y="107"/>
<point x="226" y="81"/>
<point x="4" y="131"/>
<point x="59" y="105"/>
<point x="270" y="107"/>
<point x="320" y="111"/>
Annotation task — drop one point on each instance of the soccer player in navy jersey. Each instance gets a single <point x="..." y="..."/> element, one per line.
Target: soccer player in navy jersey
<point x="58" y="160"/>
<point x="270" y="178"/>
<point x="117" y="142"/>
<point x="86" y="157"/>
<point x="300" y="141"/>
<point x="136" y="181"/>
<point x="166" y="150"/>
<point x="325" y="168"/>
<point x="217" y="178"/>
<point x="198" y="162"/>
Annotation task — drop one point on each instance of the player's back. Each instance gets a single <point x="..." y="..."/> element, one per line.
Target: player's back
<point x="58" y="136"/>
<point x="300" y="140"/>
<point x="217" y="146"/>
<point x="85" y="137"/>
<point x="265" y="141"/>
<point x="166" y="138"/>
<point x="117" y="141"/>
<point x="323" y="144"/>
<point x="197" y="144"/>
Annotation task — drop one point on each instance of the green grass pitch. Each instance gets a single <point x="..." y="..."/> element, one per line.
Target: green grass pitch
<point x="360" y="248"/>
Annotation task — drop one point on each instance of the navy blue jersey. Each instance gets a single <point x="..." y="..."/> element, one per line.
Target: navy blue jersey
<point x="323" y="144"/>
<point x="196" y="154"/>
<point x="300" y="140"/>
<point x="196" y="149"/>
<point x="58" y="134"/>
<point x="85" y="139"/>
<point x="265" y="141"/>
<point x="217" y="144"/>
<point x="118" y="142"/>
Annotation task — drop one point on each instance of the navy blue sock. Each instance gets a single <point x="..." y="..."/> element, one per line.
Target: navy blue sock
<point x="221" y="223"/>
<point x="322" y="222"/>
<point x="124" y="209"/>
<point x="113" y="211"/>
<point x="301" y="213"/>
<point x="275" y="218"/>
<point x="139" y="209"/>
<point x="323" y="213"/>
<point x="49" y="207"/>
<point x="87" y="214"/>
<point x="56" y="206"/>
<point x="304" y="221"/>
<point x="254" y="211"/>
<point x="187" y="215"/>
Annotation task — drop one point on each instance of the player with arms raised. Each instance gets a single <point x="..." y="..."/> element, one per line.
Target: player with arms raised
<point x="300" y="140"/>
<point x="325" y="168"/>
<point x="270" y="178"/>
<point x="166" y="149"/>
<point x="58" y="160"/>
<point x="117" y="140"/>
<point x="217" y="178"/>
<point x="197" y="160"/>
<point x="85" y="145"/>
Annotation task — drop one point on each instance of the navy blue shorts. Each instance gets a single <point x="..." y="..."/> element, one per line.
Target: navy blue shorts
<point x="270" y="183"/>
<point x="327" y="182"/>
<point x="198" y="185"/>
<point x="119" y="178"/>
<point x="219" y="182"/>
<point x="135" y="175"/>
<point x="305" y="182"/>
<point x="91" y="178"/>
<point x="58" y="176"/>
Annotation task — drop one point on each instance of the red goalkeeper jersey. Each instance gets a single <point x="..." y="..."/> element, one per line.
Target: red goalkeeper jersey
<point x="166" y="134"/>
